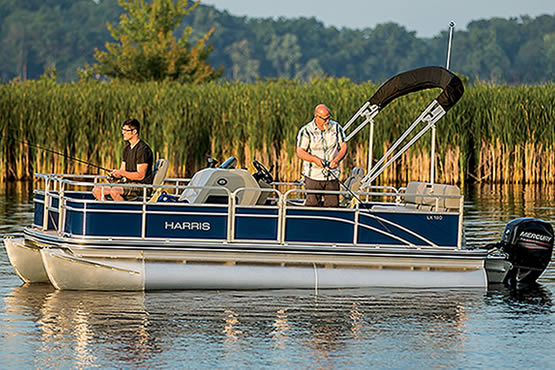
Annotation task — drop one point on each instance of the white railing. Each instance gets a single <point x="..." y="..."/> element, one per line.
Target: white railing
<point x="56" y="187"/>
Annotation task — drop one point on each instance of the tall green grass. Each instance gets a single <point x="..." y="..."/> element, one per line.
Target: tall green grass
<point x="494" y="134"/>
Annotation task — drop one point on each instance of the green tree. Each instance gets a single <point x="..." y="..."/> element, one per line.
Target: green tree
<point x="244" y="68"/>
<point x="147" y="48"/>
<point x="18" y="52"/>
<point x="549" y="45"/>
<point x="309" y="70"/>
<point x="284" y="52"/>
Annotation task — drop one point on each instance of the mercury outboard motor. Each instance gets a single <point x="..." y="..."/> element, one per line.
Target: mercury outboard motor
<point x="528" y="242"/>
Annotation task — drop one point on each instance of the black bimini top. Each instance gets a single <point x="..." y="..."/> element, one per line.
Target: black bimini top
<point x="421" y="79"/>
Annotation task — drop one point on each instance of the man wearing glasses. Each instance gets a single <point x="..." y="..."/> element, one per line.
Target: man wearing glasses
<point x="321" y="143"/>
<point x="136" y="166"/>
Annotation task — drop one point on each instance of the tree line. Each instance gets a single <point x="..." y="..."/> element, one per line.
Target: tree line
<point x="62" y="35"/>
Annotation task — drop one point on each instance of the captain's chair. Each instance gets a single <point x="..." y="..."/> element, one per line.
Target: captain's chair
<point x="158" y="177"/>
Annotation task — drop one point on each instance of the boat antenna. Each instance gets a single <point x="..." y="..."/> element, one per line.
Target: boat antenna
<point x="65" y="155"/>
<point x="451" y="28"/>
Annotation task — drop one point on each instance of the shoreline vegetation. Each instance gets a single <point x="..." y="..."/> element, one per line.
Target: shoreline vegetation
<point x="495" y="134"/>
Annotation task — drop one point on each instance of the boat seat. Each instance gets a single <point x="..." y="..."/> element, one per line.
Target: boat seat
<point x="353" y="183"/>
<point x="263" y="194"/>
<point x="422" y="196"/>
<point x="158" y="177"/>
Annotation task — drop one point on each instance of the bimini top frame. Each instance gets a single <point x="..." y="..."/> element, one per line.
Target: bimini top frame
<point x="400" y="85"/>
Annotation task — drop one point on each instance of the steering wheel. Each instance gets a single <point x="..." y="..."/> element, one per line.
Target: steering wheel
<point x="262" y="172"/>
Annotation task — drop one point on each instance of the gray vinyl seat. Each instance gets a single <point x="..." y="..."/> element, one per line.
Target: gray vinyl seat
<point x="424" y="196"/>
<point x="353" y="183"/>
<point x="159" y="173"/>
<point x="263" y="194"/>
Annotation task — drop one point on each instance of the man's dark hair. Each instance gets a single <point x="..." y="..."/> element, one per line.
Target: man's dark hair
<point x="133" y="123"/>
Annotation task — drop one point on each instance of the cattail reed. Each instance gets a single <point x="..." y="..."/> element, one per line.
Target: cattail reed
<point x="495" y="134"/>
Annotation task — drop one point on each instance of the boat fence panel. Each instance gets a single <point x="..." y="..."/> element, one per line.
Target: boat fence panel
<point x="260" y="221"/>
<point x="186" y="221"/>
<point x="50" y="205"/>
<point x="256" y="223"/>
<point x="75" y="211"/>
<point x="419" y="229"/>
<point x="74" y="218"/>
<point x="162" y="221"/>
<point x="115" y="220"/>
<point x="38" y="202"/>
<point x="316" y="225"/>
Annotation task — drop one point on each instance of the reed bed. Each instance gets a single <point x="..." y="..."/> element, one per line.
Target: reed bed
<point x="495" y="134"/>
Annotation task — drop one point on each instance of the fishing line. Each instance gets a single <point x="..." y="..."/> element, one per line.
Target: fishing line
<point x="65" y="155"/>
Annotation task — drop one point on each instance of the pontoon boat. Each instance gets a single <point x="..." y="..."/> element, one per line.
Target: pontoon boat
<point x="229" y="229"/>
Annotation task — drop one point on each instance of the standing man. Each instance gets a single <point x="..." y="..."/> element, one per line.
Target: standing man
<point x="319" y="142"/>
<point x="136" y="166"/>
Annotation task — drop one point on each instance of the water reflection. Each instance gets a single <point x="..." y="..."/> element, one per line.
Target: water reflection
<point x="75" y="323"/>
<point x="535" y="295"/>
<point x="281" y="328"/>
<point x="99" y="328"/>
<point x="16" y="209"/>
<point x="489" y="207"/>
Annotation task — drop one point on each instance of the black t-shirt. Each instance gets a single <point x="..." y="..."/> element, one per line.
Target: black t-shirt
<point x="140" y="153"/>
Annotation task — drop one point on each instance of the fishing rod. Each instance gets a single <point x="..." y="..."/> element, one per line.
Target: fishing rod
<point x="65" y="155"/>
<point x="327" y="166"/>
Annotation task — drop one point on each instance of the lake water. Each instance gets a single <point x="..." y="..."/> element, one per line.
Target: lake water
<point x="354" y="328"/>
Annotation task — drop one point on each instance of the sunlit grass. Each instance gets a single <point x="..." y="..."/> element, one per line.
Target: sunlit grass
<point x="494" y="134"/>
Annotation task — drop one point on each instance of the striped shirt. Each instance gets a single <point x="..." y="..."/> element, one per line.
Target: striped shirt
<point x="323" y="144"/>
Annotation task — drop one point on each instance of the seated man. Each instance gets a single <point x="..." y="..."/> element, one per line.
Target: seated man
<point x="136" y="166"/>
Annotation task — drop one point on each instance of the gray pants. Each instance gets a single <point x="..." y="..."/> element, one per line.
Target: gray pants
<point x="315" y="200"/>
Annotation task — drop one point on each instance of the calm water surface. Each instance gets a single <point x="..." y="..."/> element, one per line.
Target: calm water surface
<point x="43" y="327"/>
